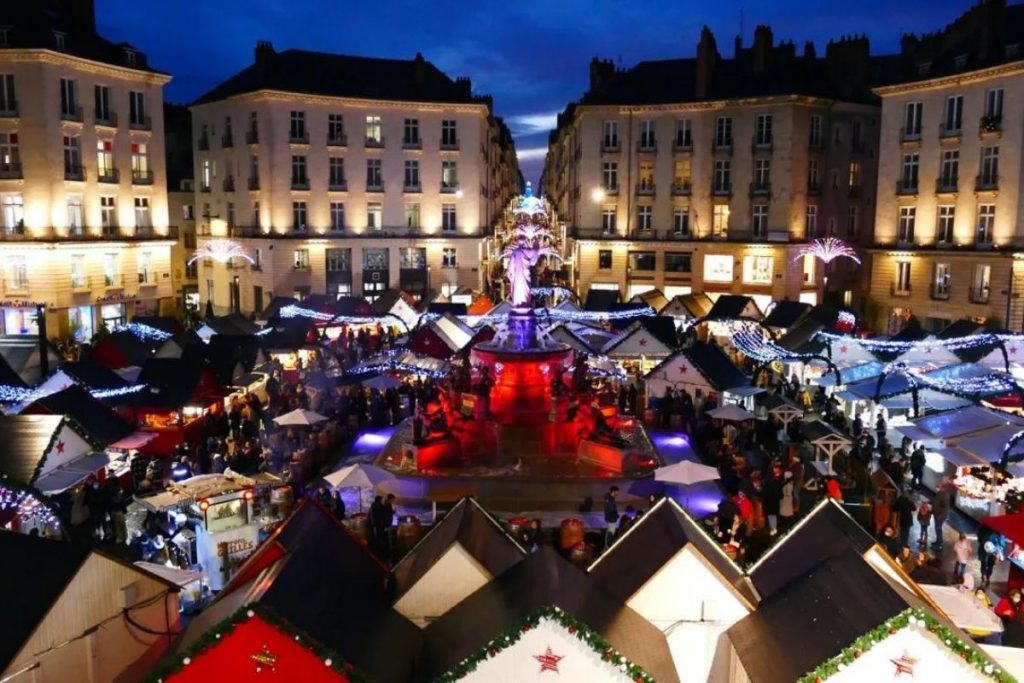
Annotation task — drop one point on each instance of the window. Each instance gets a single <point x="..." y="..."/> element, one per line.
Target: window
<point x="681" y="175"/>
<point x="411" y="133"/>
<point x="68" y="99"/>
<point x="645" y="174"/>
<point x="718" y="268"/>
<point x="994" y="105"/>
<point x="449" y="137"/>
<point x="17" y="272"/>
<point x="644" y="218"/>
<point x="140" y="162"/>
<point x="642" y="260"/>
<point x="449" y="175"/>
<point x="108" y="214"/>
<point x="989" y="176"/>
<point x="723" y="131"/>
<point x="947" y="219"/>
<point x="763" y="130"/>
<point x="227" y="140"/>
<point x="300" y="259"/>
<point x="647" y="134"/>
<point x="145" y="263"/>
<point x="762" y="174"/>
<point x="678" y="262"/>
<point x="73" y="157"/>
<point x="720" y="221"/>
<point x="811" y="223"/>
<point x="76" y="221"/>
<point x="253" y="135"/>
<point x="10" y="159"/>
<point x="831" y="226"/>
<point x="102" y="97"/>
<point x="912" y="119"/>
<point x="105" y="159"/>
<point x="902" y="284"/>
<point x="953" y="118"/>
<point x="854" y="174"/>
<point x="905" y="227"/>
<point x="374" y="174"/>
<point x="230" y="214"/>
<point x="338" y="260"/>
<point x="335" y="128"/>
<point x="374" y="137"/>
<point x="809" y="266"/>
<point x="722" y="181"/>
<point x="758" y="270"/>
<point x="681" y="221"/>
<point x="297" y="126"/>
<point x="684" y="134"/>
<point x="299" y="177"/>
<point x="256" y="214"/>
<point x="254" y="172"/>
<point x="412" y="258"/>
<point x="137" y="109"/>
<point x="981" y="285"/>
<point x="815" y="132"/>
<point x="374" y="216"/>
<point x="207" y="175"/>
<point x="608" y="219"/>
<point x="142" y="218"/>
<point x="986" y="222"/>
<point x="8" y="102"/>
<point x="13" y="211"/>
<point x="813" y="175"/>
<point x="604" y="259"/>
<point x="610" y="137"/>
<point x="940" y="281"/>
<point x="852" y="222"/>
<point x="337" y="216"/>
<point x="412" y="216"/>
<point x="449" y="257"/>
<point x="412" y="174"/>
<point x="375" y="259"/>
<point x="299" y="220"/>
<point x="759" y="221"/>
<point x="908" y="174"/>
<point x="950" y="170"/>
<point x="111" y="270"/>
<point x="610" y="176"/>
<point x="78" y="280"/>
<point x="857" y="134"/>
<point x="448" y="217"/>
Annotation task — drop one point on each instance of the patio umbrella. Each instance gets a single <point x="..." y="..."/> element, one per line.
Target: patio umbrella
<point x="299" y="418"/>
<point x="732" y="413"/>
<point x="359" y="477"/>
<point x="382" y="383"/>
<point x="685" y="473"/>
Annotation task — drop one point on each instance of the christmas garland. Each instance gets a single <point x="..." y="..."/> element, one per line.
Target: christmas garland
<point x="574" y="626"/>
<point x="909" y="617"/>
<point x="209" y="639"/>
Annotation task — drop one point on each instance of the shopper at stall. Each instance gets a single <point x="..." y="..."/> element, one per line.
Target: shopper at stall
<point x="118" y="508"/>
<point x="941" y="505"/>
<point x="917" y="461"/>
<point x="904" y="509"/>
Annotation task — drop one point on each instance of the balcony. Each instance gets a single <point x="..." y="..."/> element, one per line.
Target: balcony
<point x="610" y="190"/>
<point x="762" y="144"/>
<point x="107" y="119"/>
<point x="203" y="143"/>
<point x="813" y="189"/>
<point x="227" y="140"/>
<point x="722" y="190"/>
<point x="647" y="145"/>
<point x="900" y="289"/>
<point x="645" y="189"/>
<point x="16" y="284"/>
<point x="950" y="132"/>
<point x="610" y="145"/>
<point x="816" y="142"/>
<point x="254" y="182"/>
<point x="412" y="189"/>
<point x="910" y="134"/>
<point x="80" y="283"/>
<point x="374" y="143"/>
<point x="204" y="187"/>
<point x="683" y="144"/>
<point x="760" y="189"/>
<point x="298" y="137"/>
<point x="74" y="172"/>
<point x="723" y="145"/>
<point x="375" y="187"/>
<point x="337" y="185"/>
<point x="980" y="295"/>
<point x="300" y="183"/>
<point x="228" y="184"/>
<point x="79" y="234"/>
<point x="940" y="291"/>
<point x="855" y="191"/>
<point x="411" y="143"/>
<point x="449" y="188"/>
<point x="449" y="145"/>
<point x="11" y="171"/>
<point x="990" y="125"/>
<point x="73" y="113"/>
<point x="149" y="279"/>
<point x="142" y="177"/>
<point x="252" y="136"/>
<point x="113" y="280"/>
<point x="986" y="183"/>
<point x="108" y="175"/>
<point x="947" y="185"/>
<point x="338" y="140"/>
<point x="141" y="123"/>
<point x="8" y="109"/>
<point x="906" y="186"/>
<point x="683" y="189"/>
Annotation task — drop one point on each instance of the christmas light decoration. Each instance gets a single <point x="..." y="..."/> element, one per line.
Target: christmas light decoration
<point x="144" y="332"/>
<point x="30" y="507"/>
<point x="827" y="250"/>
<point x="13" y="395"/>
<point x="221" y="251"/>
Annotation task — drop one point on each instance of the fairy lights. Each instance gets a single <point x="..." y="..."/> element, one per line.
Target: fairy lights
<point x="14" y="395"/>
<point x="30" y="509"/>
<point x="144" y="332"/>
<point x="221" y="251"/>
<point x="828" y="250"/>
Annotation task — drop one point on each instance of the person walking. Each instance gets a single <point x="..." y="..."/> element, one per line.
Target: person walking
<point x="917" y="461"/>
<point x="787" y="502"/>
<point x="924" y="520"/>
<point x="941" y="505"/>
<point x="904" y="508"/>
<point x="611" y="514"/>
<point x="963" y="552"/>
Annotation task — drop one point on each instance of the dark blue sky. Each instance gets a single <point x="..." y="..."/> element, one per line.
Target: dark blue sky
<point x="532" y="56"/>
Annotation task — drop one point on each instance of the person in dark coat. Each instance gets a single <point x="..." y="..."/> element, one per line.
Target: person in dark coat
<point x="771" y="496"/>
<point x="917" y="461"/>
<point x="611" y="514"/>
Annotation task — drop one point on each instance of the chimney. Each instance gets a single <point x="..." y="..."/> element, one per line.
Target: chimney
<point x="264" y="52"/>
<point x="707" y="55"/>
<point x="601" y="72"/>
<point x="81" y="14"/>
<point x="419" y="69"/>
<point x="762" y="47"/>
<point x="809" y="51"/>
<point x="737" y="47"/>
<point x="465" y="85"/>
<point x="908" y="44"/>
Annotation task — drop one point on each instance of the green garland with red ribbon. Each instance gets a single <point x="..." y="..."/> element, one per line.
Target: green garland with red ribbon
<point x="910" y="617"/>
<point x="574" y="626"/>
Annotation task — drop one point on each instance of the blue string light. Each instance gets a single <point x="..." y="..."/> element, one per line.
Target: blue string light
<point x="144" y="332"/>
<point x="12" y="395"/>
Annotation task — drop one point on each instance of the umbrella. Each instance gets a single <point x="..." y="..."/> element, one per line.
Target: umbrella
<point x="732" y="413"/>
<point x="358" y="476"/>
<point x="299" y="417"/>
<point x="685" y="473"/>
<point x="382" y="382"/>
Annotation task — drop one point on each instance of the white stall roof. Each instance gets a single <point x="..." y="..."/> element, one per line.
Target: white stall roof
<point x="852" y="374"/>
<point x="963" y="609"/>
<point x="930" y="356"/>
<point x="988" y="445"/>
<point x="960" y="457"/>
<point x="956" y="423"/>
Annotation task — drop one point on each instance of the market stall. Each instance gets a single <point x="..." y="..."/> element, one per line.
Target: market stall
<point x="827" y="441"/>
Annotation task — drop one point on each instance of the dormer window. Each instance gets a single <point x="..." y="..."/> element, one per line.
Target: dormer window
<point x="1012" y="50"/>
<point x="959" y="62"/>
<point x="60" y="40"/>
<point x="923" y="68"/>
<point x="129" y="57"/>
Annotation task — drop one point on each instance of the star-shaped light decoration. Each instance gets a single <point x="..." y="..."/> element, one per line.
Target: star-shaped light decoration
<point x="904" y="665"/>
<point x="548" y="661"/>
<point x="264" y="659"/>
<point x="827" y="250"/>
<point x="221" y="251"/>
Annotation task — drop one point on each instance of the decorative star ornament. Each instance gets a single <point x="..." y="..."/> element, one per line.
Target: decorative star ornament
<point x="264" y="658"/>
<point x="548" y="661"/>
<point x="844" y="348"/>
<point x="60" y="446"/>
<point x="643" y="342"/>
<point x="683" y="369"/>
<point x="904" y="665"/>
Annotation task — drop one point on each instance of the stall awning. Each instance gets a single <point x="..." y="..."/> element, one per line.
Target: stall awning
<point x="988" y="445"/>
<point x="854" y="374"/>
<point x="744" y="391"/>
<point x="960" y="457"/>
<point x="915" y="433"/>
<point x="72" y="474"/>
<point x="954" y="423"/>
<point x="133" y="441"/>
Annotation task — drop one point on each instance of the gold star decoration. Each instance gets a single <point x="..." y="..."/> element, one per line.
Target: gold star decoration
<point x="264" y="658"/>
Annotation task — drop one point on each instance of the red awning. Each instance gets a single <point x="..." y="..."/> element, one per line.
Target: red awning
<point x="1011" y="526"/>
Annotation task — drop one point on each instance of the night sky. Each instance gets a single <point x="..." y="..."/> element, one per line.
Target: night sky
<point x="531" y="56"/>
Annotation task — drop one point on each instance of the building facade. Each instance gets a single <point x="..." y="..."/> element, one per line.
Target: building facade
<point x="181" y="205"/>
<point x="948" y="240"/>
<point x="84" y="226"/>
<point x="708" y="174"/>
<point x="346" y="175"/>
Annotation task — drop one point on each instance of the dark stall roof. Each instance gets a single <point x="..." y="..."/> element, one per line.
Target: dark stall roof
<point x="786" y="313"/>
<point x="699" y="304"/>
<point x="233" y="324"/>
<point x="654" y="540"/>
<point x="543" y="579"/>
<point x="471" y="527"/>
<point x="442" y="308"/>
<point x="21" y="353"/>
<point x="731" y="306"/>
<point x="965" y="328"/>
<point x="98" y="421"/>
<point x="720" y="372"/>
<point x="601" y="299"/>
<point x="8" y="377"/>
<point x="120" y="349"/>
<point x="225" y="352"/>
<point x="801" y="336"/>
<point x="661" y="328"/>
<point x="26" y="440"/>
<point x="827" y="531"/>
<point x="32" y="584"/>
<point x="93" y="374"/>
<point x="171" y="382"/>
<point x="159" y="322"/>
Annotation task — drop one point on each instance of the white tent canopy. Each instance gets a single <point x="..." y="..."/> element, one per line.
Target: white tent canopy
<point x="685" y="473"/>
<point x="358" y="476"/>
<point x="732" y="413"/>
<point x="300" y="418"/>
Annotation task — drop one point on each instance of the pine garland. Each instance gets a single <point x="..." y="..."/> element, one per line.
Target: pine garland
<point x="574" y="626"/>
<point x="909" y="617"/>
<point x="176" y="663"/>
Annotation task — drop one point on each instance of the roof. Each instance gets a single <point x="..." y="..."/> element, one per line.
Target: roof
<point x="159" y="322"/>
<point x="8" y="377"/>
<point x="26" y="440"/>
<point x="21" y="353"/>
<point x="601" y="299"/>
<point x="720" y="372"/>
<point x="100" y="422"/>
<point x="734" y="306"/>
<point x="827" y="531"/>
<point x="321" y="73"/>
<point x="93" y="374"/>
<point x="171" y="382"/>
<point x="653" y="541"/>
<point x="471" y="527"/>
<point x="32" y="584"/>
<point x="543" y="579"/>
<point x="786" y="313"/>
<point x="798" y="336"/>
<point x="833" y="603"/>
<point x="233" y="324"/>
<point x="121" y="349"/>
<point x="226" y="351"/>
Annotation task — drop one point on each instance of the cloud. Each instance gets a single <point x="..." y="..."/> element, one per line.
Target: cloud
<point x="531" y="153"/>
<point x="531" y="124"/>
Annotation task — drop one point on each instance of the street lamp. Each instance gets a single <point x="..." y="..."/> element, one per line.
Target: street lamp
<point x="598" y="195"/>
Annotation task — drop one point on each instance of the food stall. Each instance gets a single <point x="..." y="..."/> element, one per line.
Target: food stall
<point x="229" y="514"/>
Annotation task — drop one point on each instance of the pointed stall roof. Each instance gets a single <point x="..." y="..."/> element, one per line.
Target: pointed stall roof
<point x="543" y="579"/>
<point x="784" y="314"/>
<point x="601" y="299"/>
<point x="28" y="441"/>
<point x="800" y="337"/>
<point x="735" y="306"/>
<point x="93" y="374"/>
<point x="21" y="353"/>
<point x="170" y="383"/>
<point x="121" y="349"/>
<point x="654" y="298"/>
<point x="721" y="373"/>
<point x="8" y="377"/>
<point x="648" y="336"/>
<point x="100" y="422"/>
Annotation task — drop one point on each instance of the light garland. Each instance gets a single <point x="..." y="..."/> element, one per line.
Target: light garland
<point x="144" y="332"/>
<point x="29" y="505"/>
<point x="828" y="250"/>
<point x="12" y="395"/>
